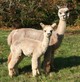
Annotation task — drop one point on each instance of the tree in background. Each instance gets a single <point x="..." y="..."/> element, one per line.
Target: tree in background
<point x="74" y="11"/>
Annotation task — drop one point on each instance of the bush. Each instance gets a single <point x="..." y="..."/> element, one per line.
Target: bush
<point x="25" y="13"/>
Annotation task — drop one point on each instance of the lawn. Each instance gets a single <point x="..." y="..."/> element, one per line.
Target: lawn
<point x="66" y="63"/>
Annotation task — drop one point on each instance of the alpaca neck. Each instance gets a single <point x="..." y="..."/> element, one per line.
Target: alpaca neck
<point x="61" y="27"/>
<point x="45" y="43"/>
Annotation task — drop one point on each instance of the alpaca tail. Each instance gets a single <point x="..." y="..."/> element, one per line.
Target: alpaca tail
<point x="9" y="39"/>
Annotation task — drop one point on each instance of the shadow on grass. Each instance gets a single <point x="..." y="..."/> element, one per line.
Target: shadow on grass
<point x="60" y="63"/>
<point x="3" y="60"/>
<point x="25" y="69"/>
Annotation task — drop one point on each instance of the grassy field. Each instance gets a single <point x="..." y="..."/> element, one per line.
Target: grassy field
<point x="66" y="63"/>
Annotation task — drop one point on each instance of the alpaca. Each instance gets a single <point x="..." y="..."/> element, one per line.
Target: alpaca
<point x="55" y="40"/>
<point x="30" y="47"/>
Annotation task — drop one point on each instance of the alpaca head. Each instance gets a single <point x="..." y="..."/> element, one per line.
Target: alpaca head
<point x="63" y="13"/>
<point x="47" y="29"/>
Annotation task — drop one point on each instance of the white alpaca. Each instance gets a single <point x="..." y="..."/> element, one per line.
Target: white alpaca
<point x="55" y="40"/>
<point x="30" y="47"/>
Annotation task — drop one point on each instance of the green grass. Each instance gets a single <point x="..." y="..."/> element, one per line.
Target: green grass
<point x="66" y="63"/>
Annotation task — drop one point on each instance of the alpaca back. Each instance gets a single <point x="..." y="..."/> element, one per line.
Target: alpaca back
<point x="20" y="34"/>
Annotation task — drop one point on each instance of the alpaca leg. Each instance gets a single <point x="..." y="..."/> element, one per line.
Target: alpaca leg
<point x="52" y="62"/>
<point x="11" y="68"/>
<point x="12" y="65"/>
<point x="19" y="60"/>
<point x="35" y="66"/>
<point x="9" y="57"/>
<point x="39" y="65"/>
<point x="47" y="63"/>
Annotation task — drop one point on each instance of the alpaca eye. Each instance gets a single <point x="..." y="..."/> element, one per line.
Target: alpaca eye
<point x="51" y="31"/>
<point x="60" y="12"/>
<point x="66" y="11"/>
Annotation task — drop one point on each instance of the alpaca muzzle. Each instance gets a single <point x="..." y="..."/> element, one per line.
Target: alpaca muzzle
<point x="49" y="34"/>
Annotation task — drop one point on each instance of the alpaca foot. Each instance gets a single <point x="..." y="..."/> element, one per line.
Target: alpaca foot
<point x="47" y="67"/>
<point x="38" y="71"/>
<point x="35" y="72"/>
<point x="13" y="72"/>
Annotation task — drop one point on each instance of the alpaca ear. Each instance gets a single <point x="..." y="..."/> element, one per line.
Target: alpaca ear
<point x="53" y="25"/>
<point x="68" y="15"/>
<point x="58" y="7"/>
<point x="42" y="25"/>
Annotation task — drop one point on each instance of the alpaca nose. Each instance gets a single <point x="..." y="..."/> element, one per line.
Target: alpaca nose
<point x="64" y="16"/>
<point x="49" y="34"/>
